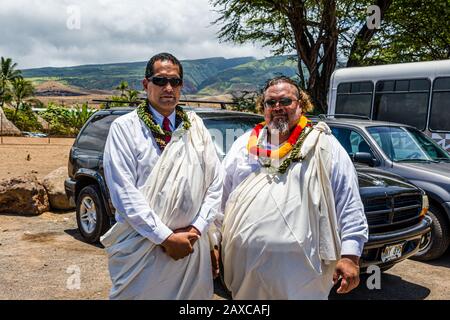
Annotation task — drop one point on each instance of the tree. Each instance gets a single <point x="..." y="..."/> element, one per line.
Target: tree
<point x="132" y="96"/>
<point x="413" y="30"/>
<point x="66" y="121"/>
<point x="123" y="86"/>
<point x="21" y="90"/>
<point x="324" y="33"/>
<point x="8" y="73"/>
<point x="245" y="101"/>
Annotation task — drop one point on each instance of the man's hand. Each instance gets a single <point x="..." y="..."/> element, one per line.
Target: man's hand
<point x="190" y="229"/>
<point x="178" y="245"/>
<point x="347" y="268"/>
<point x="215" y="262"/>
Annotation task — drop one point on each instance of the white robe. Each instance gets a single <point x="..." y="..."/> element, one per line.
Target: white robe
<point x="175" y="190"/>
<point x="281" y="236"/>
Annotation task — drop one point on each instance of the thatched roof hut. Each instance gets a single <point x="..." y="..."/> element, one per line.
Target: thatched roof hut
<point x="7" y="128"/>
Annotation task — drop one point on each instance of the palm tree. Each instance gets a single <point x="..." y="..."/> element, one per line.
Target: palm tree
<point x="123" y="86"/>
<point x="8" y="73"/>
<point x="5" y="93"/>
<point x="132" y="96"/>
<point x="21" y="90"/>
<point x="77" y="117"/>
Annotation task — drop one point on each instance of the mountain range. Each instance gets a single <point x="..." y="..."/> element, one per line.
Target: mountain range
<point x="209" y="76"/>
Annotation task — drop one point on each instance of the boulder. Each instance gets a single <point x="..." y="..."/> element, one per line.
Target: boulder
<point x="54" y="184"/>
<point x="23" y="195"/>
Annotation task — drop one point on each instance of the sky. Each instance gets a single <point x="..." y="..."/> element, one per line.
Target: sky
<point x="58" y="33"/>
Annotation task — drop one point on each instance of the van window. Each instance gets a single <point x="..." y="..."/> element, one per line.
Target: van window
<point x="440" y="105"/>
<point x="404" y="101"/>
<point x="354" y="98"/>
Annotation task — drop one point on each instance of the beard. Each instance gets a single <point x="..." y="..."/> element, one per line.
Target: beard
<point x="279" y="126"/>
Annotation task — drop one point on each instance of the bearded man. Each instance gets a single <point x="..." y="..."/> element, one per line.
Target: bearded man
<point x="165" y="182"/>
<point x="293" y="219"/>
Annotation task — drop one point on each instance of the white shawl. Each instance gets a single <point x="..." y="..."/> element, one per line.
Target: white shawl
<point x="280" y="233"/>
<point x="175" y="190"/>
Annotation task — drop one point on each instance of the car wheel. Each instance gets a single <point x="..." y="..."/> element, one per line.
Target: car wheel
<point x="91" y="216"/>
<point x="436" y="242"/>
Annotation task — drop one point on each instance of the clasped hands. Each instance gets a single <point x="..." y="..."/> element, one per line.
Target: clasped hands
<point x="181" y="242"/>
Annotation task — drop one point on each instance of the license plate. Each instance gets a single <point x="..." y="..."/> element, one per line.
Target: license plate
<point x="392" y="252"/>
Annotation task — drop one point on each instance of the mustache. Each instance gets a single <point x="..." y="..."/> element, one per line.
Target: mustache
<point x="278" y="114"/>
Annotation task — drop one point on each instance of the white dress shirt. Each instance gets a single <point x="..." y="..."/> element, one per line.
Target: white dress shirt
<point x="349" y="208"/>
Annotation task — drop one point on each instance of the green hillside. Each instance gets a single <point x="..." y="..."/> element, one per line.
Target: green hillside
<point x="202" y="76"/>
<point x="249" y="76"/>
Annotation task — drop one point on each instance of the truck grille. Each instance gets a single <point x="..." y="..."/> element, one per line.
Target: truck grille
<point x="393" y="212"/>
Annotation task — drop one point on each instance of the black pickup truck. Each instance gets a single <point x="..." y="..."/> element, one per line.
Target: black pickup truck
<point x="395" y="209"/>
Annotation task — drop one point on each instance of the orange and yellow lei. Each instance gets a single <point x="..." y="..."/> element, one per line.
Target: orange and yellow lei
<point x="252" y="145"/>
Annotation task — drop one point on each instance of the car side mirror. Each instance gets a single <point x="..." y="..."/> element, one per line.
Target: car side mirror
<point x="365" y="157"/>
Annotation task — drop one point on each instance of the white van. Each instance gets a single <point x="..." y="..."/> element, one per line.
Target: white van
<point x="415" y="93"/>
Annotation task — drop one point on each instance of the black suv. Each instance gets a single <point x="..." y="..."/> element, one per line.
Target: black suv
<point x="407" y="152"/>
<point x="394" y="207"/>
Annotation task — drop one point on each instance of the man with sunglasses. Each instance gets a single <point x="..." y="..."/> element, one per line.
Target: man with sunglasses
<point x="165" y="182"/>
<point x="293" y="220"/>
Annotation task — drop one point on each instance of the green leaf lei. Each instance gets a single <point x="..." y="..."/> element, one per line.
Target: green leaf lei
<point x="158" y="133"/>
<point x="295" y="155"/>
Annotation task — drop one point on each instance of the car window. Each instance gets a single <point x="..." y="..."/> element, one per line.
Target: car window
<point x="351" y="140"/>
<point x="406" y="144"/>
<point x="93" y="136"/>
<point x="398" y="143"/>
<point x="224" y="131"/>
<point x="431" y="148"/>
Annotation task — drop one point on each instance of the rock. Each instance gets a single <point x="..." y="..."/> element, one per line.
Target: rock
<point x="54" y="184"/>
<point x="23" y="195"/>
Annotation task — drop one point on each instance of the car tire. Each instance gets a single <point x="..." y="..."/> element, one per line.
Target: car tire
<point x="439" y="237"/>
<point x="92" y="219"/>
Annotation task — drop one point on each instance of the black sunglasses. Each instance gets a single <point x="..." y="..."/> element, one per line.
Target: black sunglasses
<point x="163" y="81"/>
<point x="284" y="102"/>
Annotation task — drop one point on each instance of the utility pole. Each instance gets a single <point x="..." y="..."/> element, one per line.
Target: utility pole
<point x="1" y="128"/>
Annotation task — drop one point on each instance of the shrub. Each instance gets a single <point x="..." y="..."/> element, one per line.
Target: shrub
<point x="25" y="120"/>
<point x="66" y="121"/>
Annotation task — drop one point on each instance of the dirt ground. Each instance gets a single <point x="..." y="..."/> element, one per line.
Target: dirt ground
<point x="44" y="257"/>
<point x="20" y="155"/>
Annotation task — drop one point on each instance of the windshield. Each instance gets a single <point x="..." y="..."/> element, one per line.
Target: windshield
<point x="224" y="131"/>
<point x="407" y="144"/>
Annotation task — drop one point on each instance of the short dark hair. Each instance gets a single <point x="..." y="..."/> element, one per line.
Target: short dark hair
<point x="304" y="98"/>
<point x="164" y="56"/>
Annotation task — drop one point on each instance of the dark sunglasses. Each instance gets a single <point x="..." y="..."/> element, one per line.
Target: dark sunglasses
<point x="284" y="102"/>
<point x="163" y="81"/>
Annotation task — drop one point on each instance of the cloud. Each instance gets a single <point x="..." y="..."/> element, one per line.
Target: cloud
<point x="38" y="33"/>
